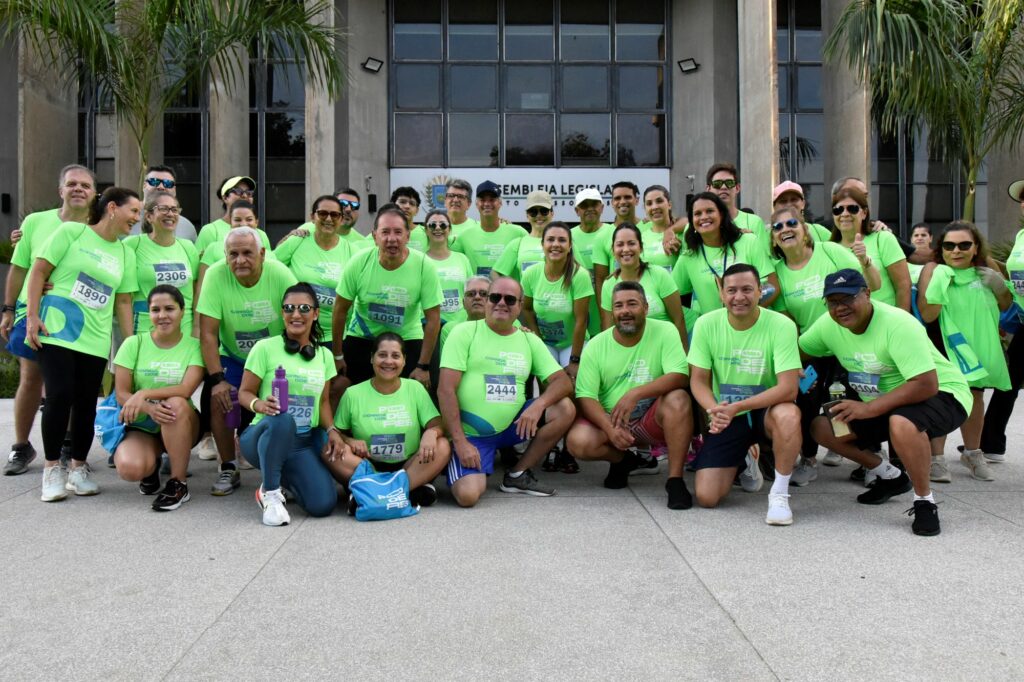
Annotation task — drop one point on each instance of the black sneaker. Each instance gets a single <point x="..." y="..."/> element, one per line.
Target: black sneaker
<point x="618" y="472"/>
<point x="858" y="475"/>
<point x="926" y="518"/>
<point x="424" y="496"/>
<point x="885" y="488"/>
<point x="678" y="496"/>
<point x="110" y="462"/>
<point x="174" y="494"/>
<point x="150" y="485"/>
<point x="21" y="456"/>
<point x="351" y="504"/>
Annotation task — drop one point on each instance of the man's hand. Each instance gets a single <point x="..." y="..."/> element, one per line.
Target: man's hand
<point x="721" y="416"/>
<point x="848" y="410"/>
<point x="526" y="425"/>
<point x="879" y="226"/>
<point x="623" y="409"/>
<point x="220" y="395"/>
<point x="422" y="376"/>
<point x="15" y="236"/>
<point x="670" y="242"/>
<point x="621" y="438"/>
<point x="6" y="325"/>
<point x="469" y="456"/>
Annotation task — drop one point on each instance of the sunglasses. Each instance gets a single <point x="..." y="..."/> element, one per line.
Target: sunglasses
<point x="844" y="301"/>
<point x="456" y="197"/>
<point x="510" y="299"/>
<point x="438" y="226"/>
<point x="852" y="209"/>
<point x="535" y="212"/>
<point x="156" y="182"/>
<point x="476" y="293"/>
<point x="963" y="246"/>
<point x="727" y="184"/>
<point x="345" y="203"/>
<point x="324" y="215"/>
<point x="173" y="210"/>
<point x="303" y="308"/>
<point x="792" y="222"/>
<point x="241" y="192"/>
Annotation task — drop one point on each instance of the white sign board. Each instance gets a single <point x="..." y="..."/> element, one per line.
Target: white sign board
<point x="561" y="183"/>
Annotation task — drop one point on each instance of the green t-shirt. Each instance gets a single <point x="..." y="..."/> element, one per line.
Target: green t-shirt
<point x="553" y="303"/>
<point x="520" y="255"/>
<point x="915" y="272"/>
<point x="654" y="250"/>
<point x="1014" y="265"/>
<point x="210" y="233"/>
<point x="457" y="230"/>
<point x="583" y="246"/>
<point x="36" y="230"/>
<point x="601" y="252"/>
<point x="495" y="370"/>
<point x="177" y="265"/>
<point x="306" y="378"/>
<point x="749" y="221"/>
<point x="452" y="273"/>
<point x="696" y="272"/>
<point x="744" y="363"/>
<point x="893" y="349"/>
<point x="246" y="314"/>
<point x="389" y="300"/>
<point x="391" y="425"/>
<point x="213" y="252"/>
<point x="608" y="369"/>
<point x="88" y="273"/>
<point x="482" y="248"/>
<point x="355" y="239"/>
<point x="155" y="367"/>
<point x="884" y="250"/>
<point x="322" y="269"/>
<point x="658" y="286"/>
<point x="819" y="233"/>
<point x="802" y="289"/>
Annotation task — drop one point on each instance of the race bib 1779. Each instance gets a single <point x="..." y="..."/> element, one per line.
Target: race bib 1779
<point x="388" y="447"/>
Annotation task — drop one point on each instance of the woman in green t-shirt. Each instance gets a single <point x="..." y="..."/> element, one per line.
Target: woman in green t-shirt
<point x="966" y="297"/>
<point x="155" y="375"/>
<point x="658" y="208"/>
<point x="392" y="422"/>
<point x="453" y="268"/>
<point x="291" y="433"/>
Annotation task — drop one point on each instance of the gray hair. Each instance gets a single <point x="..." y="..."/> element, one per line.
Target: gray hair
<point x="459" y="183"/>
<point x="245" y="230"/>
<point x="479" y="278"/>
<point x="838" y="184"/>
<point x="75" y="166"/>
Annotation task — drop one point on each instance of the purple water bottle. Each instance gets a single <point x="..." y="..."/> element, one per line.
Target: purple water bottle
<point x="279" y="388"/>
<point x="233" y="417"/>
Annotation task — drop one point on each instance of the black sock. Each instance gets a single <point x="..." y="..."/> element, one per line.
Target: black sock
<point x="678" y="496"/>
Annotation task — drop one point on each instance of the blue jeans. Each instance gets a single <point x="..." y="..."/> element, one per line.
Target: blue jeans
<point x="292" y="459"/>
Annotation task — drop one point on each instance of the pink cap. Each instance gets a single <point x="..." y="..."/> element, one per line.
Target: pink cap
<point x="787" y="186"/>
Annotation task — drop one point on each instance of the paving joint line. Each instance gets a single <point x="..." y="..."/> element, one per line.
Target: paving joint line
<point x="982" y="509"/>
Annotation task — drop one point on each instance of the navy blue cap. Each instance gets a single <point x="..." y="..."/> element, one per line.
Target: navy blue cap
<point x="488" y="187"/>
<point x="846" y="281"/>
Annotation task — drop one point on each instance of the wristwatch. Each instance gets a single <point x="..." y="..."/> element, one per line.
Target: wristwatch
<point x="425" y="366"/>
<point x="574" y="359"/>
<point x="7" y="308"/>
<point x="216" y="378"/>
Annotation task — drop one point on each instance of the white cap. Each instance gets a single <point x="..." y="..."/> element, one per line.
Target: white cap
<point x="588" y="194"/>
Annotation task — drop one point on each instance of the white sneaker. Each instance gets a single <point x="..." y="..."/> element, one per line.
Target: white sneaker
<point x="79" y="482"/>
<point x="207" y="449"/>
<point x="805" y="472"/>
<point x="997" y="457"/>
<point x="832" y="459"/>
<point x="55" y="479"/>
<point x="939" y="472"/>
<point x="752" y="479"/>
<point x="779" y="513"/>
<point x="272" y="504"/>
<point x="975" y="461"/>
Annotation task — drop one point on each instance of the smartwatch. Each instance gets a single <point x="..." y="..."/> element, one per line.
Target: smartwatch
<point x="216" y="378"/>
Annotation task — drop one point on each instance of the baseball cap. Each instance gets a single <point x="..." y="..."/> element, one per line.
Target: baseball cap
<point x="588" y="194"/>
<point x="488" y="187"/>
<point x="787" y="186"/>
<point x="1016" y="190"/>
<point x="233" y="182"/>
<point x="845" y="281"/>
<point x="538" y="197"/>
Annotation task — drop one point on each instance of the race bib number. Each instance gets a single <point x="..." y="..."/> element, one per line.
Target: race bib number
<point x="500" y="388"/>
<point x="483" y="271"/>
<point x="865" y="384"/>
<point x="450" y="303"/>
<point x="388" y="315"/>
<point x="527" y="264"/>
<point x="325" y="295"/>
<point x="246" y="340"/>
<point x="1017" y="278"/>
<point x="733" y="393"/>
<point x="300" y="407"/>
<point x="552" y="331"/>
<point x="388" y="447"/>
<point x="91" y="292"/>
<point x="175" y="274"/>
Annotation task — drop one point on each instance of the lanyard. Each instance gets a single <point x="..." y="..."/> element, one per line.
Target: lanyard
<point x="725" y="260"/>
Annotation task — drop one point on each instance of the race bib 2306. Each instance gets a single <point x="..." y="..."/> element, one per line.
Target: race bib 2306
<point x="175" y="274"/>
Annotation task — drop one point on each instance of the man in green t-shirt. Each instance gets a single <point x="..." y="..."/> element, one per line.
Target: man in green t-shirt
<point x="908" y="392"/>
<point x="631" y="391"/>
<point x="724" y="180"/>
<point x="77" y="189"/>
<point x="350" y="203"/>
<point x="456" y="201"/>
<point x="239" y="304"/>
<point x="484" y="369"/>
<point x="744" y="372"/>
<point x="483" y="244"/>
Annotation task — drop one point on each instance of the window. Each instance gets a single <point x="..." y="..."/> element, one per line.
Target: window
<point x="497" y="83"/>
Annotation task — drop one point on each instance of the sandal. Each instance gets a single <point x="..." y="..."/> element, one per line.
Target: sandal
<point x="551" y="462"/>
<point x="567" y="463"/>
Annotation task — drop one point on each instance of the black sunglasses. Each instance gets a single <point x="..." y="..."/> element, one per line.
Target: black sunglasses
<point x="963" y="246"/>
<point x="510" y="299"/>
<point x="303" y="308"/>
<point x="792" y="222"/>
<point x="719" y="184"/>
<point x="534" y="212"/>
<point x="438" y="226"/>
<point x="156" y="182"/>
<point x="324" y="215"/>
<point x="852" y="209"/>
<point x="473" y="293"/>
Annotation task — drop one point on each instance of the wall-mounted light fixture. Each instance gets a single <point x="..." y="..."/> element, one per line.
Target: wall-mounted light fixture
<point x="372" y="64"/>
<point x="688" y="65"/>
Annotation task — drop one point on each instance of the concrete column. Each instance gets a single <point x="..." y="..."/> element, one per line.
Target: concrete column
<point x="320" y="136"/>
<point x="758" y="104"/>
<point x="1003" y="216"/>
<point x="128" y="162"/>
<point x="48" y="121"/>
<point x="705" y="108"/>
<point x="229" y="126"/>
<point x="9" y="137"/>
<point x="847" y="111"/>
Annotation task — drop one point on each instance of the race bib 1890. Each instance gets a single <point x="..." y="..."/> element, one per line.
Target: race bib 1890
<point x="175" y="274"/>
<point x="300" y="407"/>
<point x="388" y="447"/>
<point x="733" y="393"/>
<point x="246" y="340"/>
<point x="325" y="295"/>
<point x="450" y="302"/>
<point x="865" y="384"/>
<point x="90" y="292"/>
<point x="500" y="388"/>
<point x="389" y="315"/>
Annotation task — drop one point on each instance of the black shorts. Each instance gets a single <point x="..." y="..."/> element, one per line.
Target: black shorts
<point x="937" y="416"/>
<point x="729" y="448"/>
<point x="388" y="467"/>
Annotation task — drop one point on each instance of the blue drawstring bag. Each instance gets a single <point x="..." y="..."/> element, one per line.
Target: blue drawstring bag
<point x="1011" y="319"/>
<point x="108" y="427"/>
<point x="380" y="496"/>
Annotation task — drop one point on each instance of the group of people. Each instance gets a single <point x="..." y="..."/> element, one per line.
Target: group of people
<point x="729" y="346"/>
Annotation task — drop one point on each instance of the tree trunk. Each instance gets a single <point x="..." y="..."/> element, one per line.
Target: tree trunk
<point x="972" y="190"/>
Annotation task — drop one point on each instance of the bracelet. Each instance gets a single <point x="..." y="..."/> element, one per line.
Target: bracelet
<point x="339" y="356"/>
<point x="574" y="359"/>
<point x="7" y="308"/>
<point x="425" y="366"/>
<point x="216" y="378"/>
<point x="253" y="404"/>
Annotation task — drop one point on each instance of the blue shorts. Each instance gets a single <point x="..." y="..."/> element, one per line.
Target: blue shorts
<point x="729" y="448"/>
<point x="17" y="346"/>
<point x="232" y="370"/>
<point x="487" y="446"/>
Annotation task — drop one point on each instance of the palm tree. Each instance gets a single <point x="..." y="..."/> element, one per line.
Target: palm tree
<point x="141" y="54"/>
<point x="953" y="66"/>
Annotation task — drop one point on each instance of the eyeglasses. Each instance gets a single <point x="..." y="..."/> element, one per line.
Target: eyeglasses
<point x="510" y="299"/>
<point x="324" y="215"/>
<point x="588" y="204"/>
<point x="846" y="301"/>
<point x="537" y="212"/>
<point x="451" y="196"/>
<point x="719" y="184"/>
<point x="438" y="226"/>
<point x="303" y="308"/>
<point x="792" y="222"/>
<point x="345" y="203"/>
<point x="852" y="209"/>
<point x="963" y="246"/>
<point x="172" y="210"/>
<point x="476" y="293"/>
<point x="241" y="192"/>
<point x="156" y="182"/>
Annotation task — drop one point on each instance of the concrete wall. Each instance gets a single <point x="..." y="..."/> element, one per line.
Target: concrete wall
<point x="759" y="104"/>
<point x="1004" y="214"/>
<point x="847" y="112"/>
<point x="9" y="134"/>
<point x="229" y="127"/>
